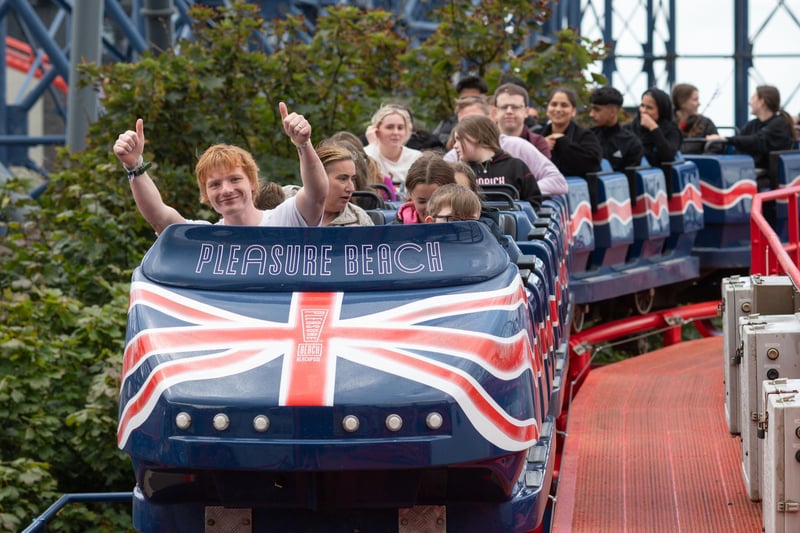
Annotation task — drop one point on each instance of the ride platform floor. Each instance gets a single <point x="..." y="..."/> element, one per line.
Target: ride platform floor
<point x="648" y="449"/>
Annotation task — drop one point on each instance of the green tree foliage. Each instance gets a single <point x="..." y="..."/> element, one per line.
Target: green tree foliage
<point x="65" y="269"/>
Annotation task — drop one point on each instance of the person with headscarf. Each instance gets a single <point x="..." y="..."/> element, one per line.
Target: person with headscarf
<point x="655" y="126"/>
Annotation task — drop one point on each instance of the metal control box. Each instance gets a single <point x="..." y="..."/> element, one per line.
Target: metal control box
<point x="780" y="488"/>
<point x="737" y="301"/>
<point x="773" y="295"/>
<point x="742" y="296"/>
<point x="771" y="350"/>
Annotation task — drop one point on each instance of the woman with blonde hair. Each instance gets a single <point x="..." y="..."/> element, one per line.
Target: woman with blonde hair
<point x="367" y="170"/>
<point x="387" y="135"/>
<point x="340" y="165"/>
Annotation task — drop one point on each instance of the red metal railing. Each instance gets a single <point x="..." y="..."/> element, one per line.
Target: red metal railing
<point x="20" y="56"/>
<point x="768" y="255"/>
<point x="668" y="321"/>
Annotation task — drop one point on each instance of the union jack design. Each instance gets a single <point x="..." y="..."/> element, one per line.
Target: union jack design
<point x="206" y="342"/>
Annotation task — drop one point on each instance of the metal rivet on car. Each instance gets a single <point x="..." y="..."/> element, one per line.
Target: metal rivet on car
<point x="221" y="422"/>
<point x="261" y="423"/>
<point x="434" y="420"/>
<point x="394" y="422"/>
<point x="183" y="420"/>
<point x="350" y="423"/>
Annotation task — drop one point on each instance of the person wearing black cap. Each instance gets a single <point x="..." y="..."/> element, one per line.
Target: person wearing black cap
<point x="621" y="147"/>
<point x="466" y="86"/>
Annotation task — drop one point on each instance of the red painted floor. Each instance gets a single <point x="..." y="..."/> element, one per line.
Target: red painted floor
<point x="648" y="449"/>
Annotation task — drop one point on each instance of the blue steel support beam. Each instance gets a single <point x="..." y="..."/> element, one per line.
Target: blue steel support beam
<point x="82" y="108"/>
<point x="671" y="43"/>
<point x="743" y="59"/>
<point x="609" y="63"/>
<point x="647" y="46"/>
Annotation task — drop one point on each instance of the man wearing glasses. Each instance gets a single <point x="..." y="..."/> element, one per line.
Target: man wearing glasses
<point x="511" y="108"/>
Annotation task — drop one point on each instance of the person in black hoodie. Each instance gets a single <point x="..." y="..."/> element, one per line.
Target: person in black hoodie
<point x="575" y="150"/>
<point x="621" y="148"/>
<point x="772" y="129"/>
<point x="477" y="143"/>
<point x="693" y="125"/>
<point x="655" y="126"/>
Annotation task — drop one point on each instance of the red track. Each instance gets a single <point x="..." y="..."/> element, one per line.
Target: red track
<point x="648" y="449"/>
<point x="647" y="446"/>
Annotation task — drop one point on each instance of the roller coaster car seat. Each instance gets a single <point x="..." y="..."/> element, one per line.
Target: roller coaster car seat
<point x="612" y="217"/>
<point x="368" y="200"/>
<point x="581" y="226"/>
<point x="784" y="171"/>
<point x="784" y="168"/>
<point x="376" y="216"/>
<point x="650" y="212"/>
<point x="685" y="205"/>
<point x="502" y="187"/>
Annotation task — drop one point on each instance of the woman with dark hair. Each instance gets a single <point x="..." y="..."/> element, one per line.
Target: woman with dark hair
<point x="574" y="150"/>
<point x="692" y="124"/>
<point x="772" y="129"/>
<point x="655" y="126"/>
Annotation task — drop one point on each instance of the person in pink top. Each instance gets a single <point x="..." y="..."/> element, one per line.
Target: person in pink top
<point x="425" y="175"/>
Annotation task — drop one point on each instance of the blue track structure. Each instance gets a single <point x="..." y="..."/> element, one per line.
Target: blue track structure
<point x="46" y="28"/>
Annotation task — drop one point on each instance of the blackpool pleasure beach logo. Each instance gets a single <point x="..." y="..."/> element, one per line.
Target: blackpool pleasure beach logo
<point x="313" y="320"/>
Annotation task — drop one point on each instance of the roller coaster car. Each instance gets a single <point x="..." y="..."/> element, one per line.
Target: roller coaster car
<point x="727" y="183"/>
<point x="627" y="239"/>
<point x="384" y="378"/>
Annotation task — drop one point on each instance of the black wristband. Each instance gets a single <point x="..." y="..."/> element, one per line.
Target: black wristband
<point x="138" y="171"/>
